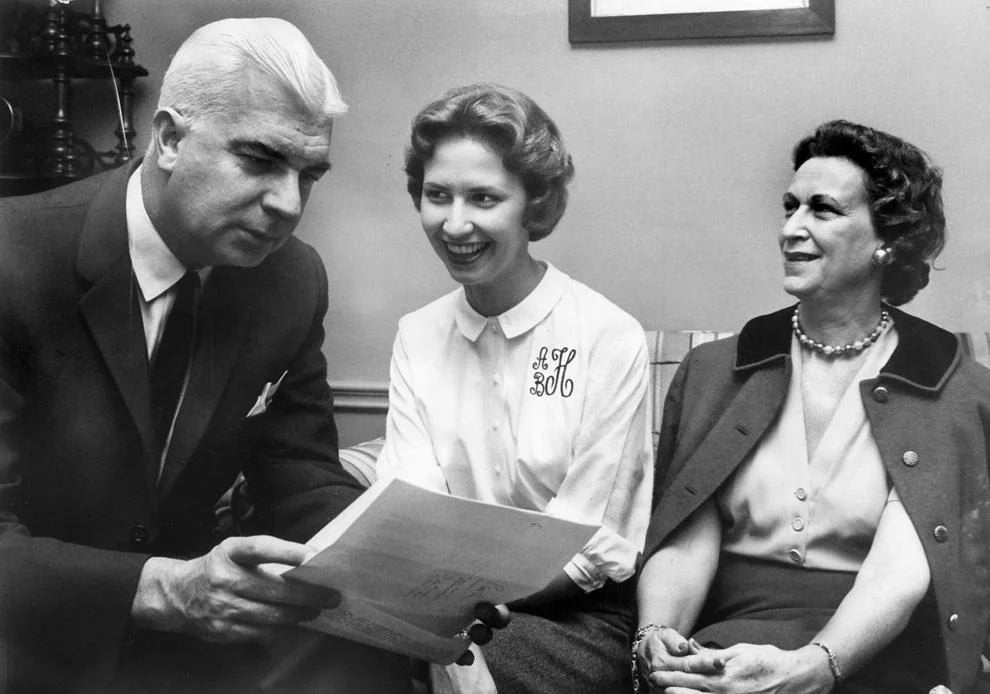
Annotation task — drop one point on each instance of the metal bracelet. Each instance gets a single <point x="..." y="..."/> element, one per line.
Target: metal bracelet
<point x="833" y="661"/>
<point x="638" y="637"/>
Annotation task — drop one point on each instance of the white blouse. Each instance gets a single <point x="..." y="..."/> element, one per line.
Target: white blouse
<point x="820" y="513"/>
<point x="544" y="407"/>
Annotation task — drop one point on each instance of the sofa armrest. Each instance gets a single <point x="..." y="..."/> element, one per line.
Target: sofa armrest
<point x="360" y="460"/>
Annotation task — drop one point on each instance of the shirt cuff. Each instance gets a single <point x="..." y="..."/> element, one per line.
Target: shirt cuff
<point x="584" y="573"/>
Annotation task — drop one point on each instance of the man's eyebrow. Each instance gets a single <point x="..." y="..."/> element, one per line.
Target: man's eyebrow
<point x="258" y="146"/>
<point x="267" y="150"/>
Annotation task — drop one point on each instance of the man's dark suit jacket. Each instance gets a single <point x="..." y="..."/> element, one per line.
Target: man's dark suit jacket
<point x="80" y="508"/>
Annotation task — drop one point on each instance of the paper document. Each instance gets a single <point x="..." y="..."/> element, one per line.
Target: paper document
<point x="411" y="563"/>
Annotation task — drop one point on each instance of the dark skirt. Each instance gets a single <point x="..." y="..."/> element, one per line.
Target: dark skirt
<point x="579" y="646"/>
<point x="764" y="602"/>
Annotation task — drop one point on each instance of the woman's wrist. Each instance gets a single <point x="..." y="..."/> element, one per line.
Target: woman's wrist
<point x="817" y="665"/>
<point x="638" y="638"/>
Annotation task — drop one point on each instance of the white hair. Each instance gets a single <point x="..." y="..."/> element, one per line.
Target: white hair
<point x="206" y="73"/>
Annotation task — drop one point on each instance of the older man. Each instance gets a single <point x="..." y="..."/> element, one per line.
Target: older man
<point x="160" y="332"/>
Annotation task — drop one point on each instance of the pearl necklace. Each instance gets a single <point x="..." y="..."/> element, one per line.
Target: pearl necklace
<point x="839" y="350"/>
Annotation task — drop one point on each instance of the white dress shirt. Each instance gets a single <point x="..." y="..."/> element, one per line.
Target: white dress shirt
<point x="820" y="513"/>
<point x="544" y="407"/>
<point x="155" y="267"/>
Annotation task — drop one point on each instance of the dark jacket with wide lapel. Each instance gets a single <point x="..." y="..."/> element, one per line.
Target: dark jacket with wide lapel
<point x="81" y="502"/>
<point x="928" y="399"/>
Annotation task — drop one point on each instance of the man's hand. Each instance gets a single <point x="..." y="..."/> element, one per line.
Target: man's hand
<point x="225" y="595"/>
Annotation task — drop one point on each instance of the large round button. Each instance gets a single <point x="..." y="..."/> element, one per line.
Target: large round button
<point x="800" y="493"/>
<point x="880" y="394"/>
<point x="941" y="533"/>
<point x="798" y="524"/>
<point x="910" y="458"/>
<point x="795" y="555"/>
<point x="953" y="621"/>
<point x="139" y="535"/>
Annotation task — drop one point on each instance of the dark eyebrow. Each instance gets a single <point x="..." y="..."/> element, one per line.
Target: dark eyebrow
<point x="258" y="146"/>
<point x="827" y="199"/>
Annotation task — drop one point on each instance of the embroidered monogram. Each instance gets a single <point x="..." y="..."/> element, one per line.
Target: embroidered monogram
<point x="550" y="372"/>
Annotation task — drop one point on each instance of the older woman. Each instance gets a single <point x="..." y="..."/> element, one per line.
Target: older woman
<point x="823" y="505"/>
<point x="523" y="386"/>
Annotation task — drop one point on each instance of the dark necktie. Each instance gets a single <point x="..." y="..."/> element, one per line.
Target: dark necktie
<point x="168" y="369"/>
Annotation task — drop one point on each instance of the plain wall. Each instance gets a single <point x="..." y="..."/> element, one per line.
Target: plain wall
<point x="682" y="149"/>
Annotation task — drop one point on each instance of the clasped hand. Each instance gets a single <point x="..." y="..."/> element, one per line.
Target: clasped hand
<point x="674" y="665"/>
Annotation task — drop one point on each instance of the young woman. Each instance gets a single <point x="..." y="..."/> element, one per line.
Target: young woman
<point x="523" y="387"/>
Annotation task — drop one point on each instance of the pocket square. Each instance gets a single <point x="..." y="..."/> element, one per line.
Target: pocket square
<point x="265" y="398"/>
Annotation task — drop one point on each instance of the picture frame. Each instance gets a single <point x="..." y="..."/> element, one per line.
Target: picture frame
<point x="602" y="21"/>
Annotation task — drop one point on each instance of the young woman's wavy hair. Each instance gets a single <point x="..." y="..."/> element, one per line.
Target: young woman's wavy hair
<point x="515" y="128"/>
<point x="904" y="190"/>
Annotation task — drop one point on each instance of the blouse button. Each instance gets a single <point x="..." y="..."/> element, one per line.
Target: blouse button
<point x="798" y="524"/>
<point x="953" y="621"/>
<point x="140" y="535"/>
<point x="795" y="555"/>
<point x="910" y="458"/>
<point x="941" y="533"/>
<point x="880" y="394"/>
<point x="800" y="494"/>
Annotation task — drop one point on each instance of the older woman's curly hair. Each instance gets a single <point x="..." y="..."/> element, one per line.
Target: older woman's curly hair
<point x="515" y="128"/>
<point x="904" y="190"/>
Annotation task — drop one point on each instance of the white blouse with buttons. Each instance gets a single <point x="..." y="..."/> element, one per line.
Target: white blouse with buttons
<point x="820" y="513"/>
<point x="544" y="407"/>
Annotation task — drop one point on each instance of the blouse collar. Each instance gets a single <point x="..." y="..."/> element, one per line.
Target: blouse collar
<point x="522" y="317"/>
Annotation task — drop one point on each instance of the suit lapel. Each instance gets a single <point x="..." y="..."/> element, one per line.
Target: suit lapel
<point x="730" y="440"/>
<point x="110" y="306"/>
<point x="223" y="317"/>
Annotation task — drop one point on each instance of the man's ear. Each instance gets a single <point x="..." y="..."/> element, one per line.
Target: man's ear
<point x="168" y="128"/>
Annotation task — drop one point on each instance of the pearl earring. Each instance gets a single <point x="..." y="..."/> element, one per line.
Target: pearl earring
<point x="882" y="257"/>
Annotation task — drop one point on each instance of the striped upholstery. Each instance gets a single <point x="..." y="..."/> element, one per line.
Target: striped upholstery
<point x="359" y="460"/>
<point x="669" y="347"/>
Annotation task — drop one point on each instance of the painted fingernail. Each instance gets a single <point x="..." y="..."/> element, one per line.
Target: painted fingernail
<point x="718" y="664"/>
<point x="497" y="616"/>
<point x="480" y="634"/>
<point x="333" y="600"/>
<point x="683" y="647"/>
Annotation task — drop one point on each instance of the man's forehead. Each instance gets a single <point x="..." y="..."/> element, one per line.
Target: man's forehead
<point x="282" y="135"/>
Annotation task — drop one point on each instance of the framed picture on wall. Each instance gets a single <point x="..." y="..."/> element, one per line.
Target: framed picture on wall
<point x="595" y="21"/>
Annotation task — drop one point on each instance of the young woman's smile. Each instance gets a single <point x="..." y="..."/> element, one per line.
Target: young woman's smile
<point x="472" y="211"/>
